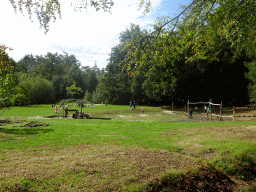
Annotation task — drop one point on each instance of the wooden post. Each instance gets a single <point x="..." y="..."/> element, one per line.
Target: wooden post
<point x="234" y="113"/>
<point x="220" y="110"/>
<point x="188" y="108"/>
<point x="210" y="109"/>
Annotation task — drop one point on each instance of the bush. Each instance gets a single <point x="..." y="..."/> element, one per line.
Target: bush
<point x="38" y="89"/>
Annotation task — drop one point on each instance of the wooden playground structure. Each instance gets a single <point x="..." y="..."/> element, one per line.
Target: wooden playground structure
<point x="80" y="114"/>
<point x="209" y="112"/>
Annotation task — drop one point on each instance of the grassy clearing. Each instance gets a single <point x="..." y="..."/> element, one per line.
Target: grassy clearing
<point x="124" y="154"/>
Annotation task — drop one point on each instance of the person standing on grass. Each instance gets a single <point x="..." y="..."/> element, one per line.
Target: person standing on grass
<point x="190" y="113"/>
<point x="142" y="110"/>
<point x="205" y="108"/>
<point x="56" y="110"/>
<point x="130" y="104"/>
<point x="208" y="110"/>
<point x="66" y="111"/>
<point x="134" y="104"/>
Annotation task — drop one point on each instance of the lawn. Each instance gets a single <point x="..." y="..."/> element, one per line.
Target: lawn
<point x="130" y="152"/>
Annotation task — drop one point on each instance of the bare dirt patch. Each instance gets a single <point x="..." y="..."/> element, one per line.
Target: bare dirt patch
<point x="38" y="117"/>
<point x="169" y="112"/>
<point x="144" y="115"/>
<point x="246" y="132"/>
<point x="100" y="167"/>
<point x="121" y="116"/>
<point x="192" y="139"/>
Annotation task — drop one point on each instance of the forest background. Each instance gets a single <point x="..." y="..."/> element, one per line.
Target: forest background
<point x="206" y="52"/>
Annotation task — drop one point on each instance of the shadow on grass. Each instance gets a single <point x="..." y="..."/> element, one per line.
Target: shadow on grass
<point x="25" y="131"/>
<point x="202" y="180"/>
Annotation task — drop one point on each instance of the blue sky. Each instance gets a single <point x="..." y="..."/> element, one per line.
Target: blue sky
<point x="88" y="35"/>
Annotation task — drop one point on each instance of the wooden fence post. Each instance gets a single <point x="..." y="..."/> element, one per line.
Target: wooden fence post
<point x="234" y="113"/>
<point x="188" y="108"/>
<point x="210" y="109"/>
<point x="220" y="110"/>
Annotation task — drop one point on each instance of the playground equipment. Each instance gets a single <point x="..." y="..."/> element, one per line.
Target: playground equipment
<point x="210" y="112"/>
<point x="81" y="115"/>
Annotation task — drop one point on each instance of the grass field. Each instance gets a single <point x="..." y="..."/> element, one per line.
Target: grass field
<point x="154" y="151"/>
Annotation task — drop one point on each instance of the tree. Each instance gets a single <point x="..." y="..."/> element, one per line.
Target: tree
<point x="88" y="96"/>
<point x="219" y="22"/>
<point x="73" y="90"/>
<point x="251" y="76"/>
<point x="207" y="27"/>
<point x="10" y="92"/>
<point x="45" y="11"/>
<point x="38" y="89"/>
<point x="162" y="59"/>
<point x="91" y="79"/>
<point x="116" y="83"/>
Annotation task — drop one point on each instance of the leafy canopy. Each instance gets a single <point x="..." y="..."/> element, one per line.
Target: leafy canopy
<point x="46" y="10"/>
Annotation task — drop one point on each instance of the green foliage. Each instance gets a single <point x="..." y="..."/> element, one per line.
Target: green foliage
<point x="61" y="70"/>
<point x="88" y="96"/>
<point x="73" y="90"/>
<point x="38" y="89"/>
<point x="146" y="5"/>
<point x="96" y="96"/>
<point x="177" y="61"/>
<point x="178" y="64"/>
<point x="251" y="76"/>
<point x="10" y="93"/>
<point x="91" y="79"/>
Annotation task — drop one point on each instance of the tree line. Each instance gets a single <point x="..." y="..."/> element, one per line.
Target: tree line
<point x="152" y="70"/>
<point x="47" y="79"/>
<point x="50" y="78"/>
<point x="162" y="77"/>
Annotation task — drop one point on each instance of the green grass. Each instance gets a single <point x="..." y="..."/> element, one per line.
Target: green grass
<point x="230" y="152"/>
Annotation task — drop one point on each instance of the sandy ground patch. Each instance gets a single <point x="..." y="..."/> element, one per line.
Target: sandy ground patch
<point x="143" y="115"/>
<point x="169" y="112"/>
<point x="38" y="117"/>
<point x="121" y="116"/>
